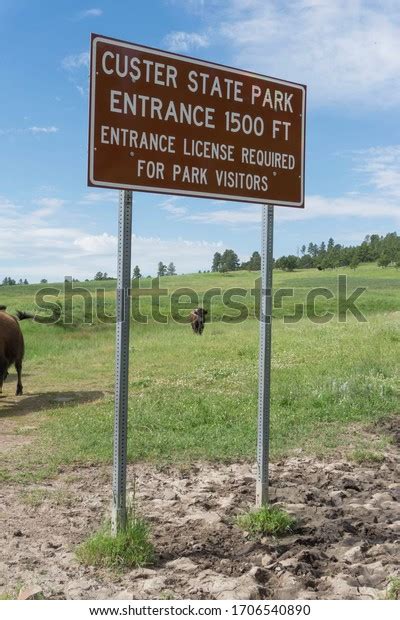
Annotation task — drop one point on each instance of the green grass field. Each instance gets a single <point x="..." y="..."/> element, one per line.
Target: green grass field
<point x="196" y="398"/>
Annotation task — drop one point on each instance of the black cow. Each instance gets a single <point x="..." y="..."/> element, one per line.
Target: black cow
<point x="197" y="319"/>
<point x="11" y="345"/>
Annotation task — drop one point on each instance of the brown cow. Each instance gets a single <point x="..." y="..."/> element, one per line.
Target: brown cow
<point x="11" y="345"/>
<point x="198" y="318"/>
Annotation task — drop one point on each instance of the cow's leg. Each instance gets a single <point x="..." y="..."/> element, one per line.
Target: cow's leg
<point x="3" y="374"/>
<point x="18" y="368"/>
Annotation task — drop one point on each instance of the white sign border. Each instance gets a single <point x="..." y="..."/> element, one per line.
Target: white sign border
<point x="133" y="46"/>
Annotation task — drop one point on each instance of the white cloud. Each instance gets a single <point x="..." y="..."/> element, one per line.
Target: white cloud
<point x="147" y="251"/>
<point x="316" y="207"/>
<point x="235" y="216"/>
<point x="37" y="130"/>
<point x="14" y="131"/>
<point x="345" y="51"/>
<point x="26" y="238"/>
<point x="185" y="41"/>
<point x="7" y="206"/>
<point x="43" y="213"/>
<point x="99" y="245"/>
<point x="188" y="255"/>
<point x="382" y="167"/>
<point x="193" y="6"/>
<point x="48" y="207"/>
<point x="51" y="203"/>
<point x="90" y="13"/>
<point x="76" y="61"/>
<point x="30" y="247"/>
<point x="170" y="207"/>
<point x="359" y="206"/>
<point x="72" y="63"/>
<point x="99" y="196"/>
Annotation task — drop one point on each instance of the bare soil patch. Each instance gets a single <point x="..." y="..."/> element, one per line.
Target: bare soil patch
<point x="346" y="544"/>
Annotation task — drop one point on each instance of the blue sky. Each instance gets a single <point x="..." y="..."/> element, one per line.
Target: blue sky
<point x="346" y="52"/>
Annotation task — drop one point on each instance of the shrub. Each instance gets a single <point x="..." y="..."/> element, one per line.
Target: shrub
<point x="270" y="520"/>
<point x="130" y="548"/>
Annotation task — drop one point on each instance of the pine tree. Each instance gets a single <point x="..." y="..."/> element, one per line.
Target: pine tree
<point x="216" y="264"/>
<point x="136" y="273"/>
<point x="161" y="269"/>
<point x="312" y="249"/>
<point x="171" y="270"/>
<point x="255" y="262"/>
<point x="8" y="281"/>
<point x="229" y="261"/>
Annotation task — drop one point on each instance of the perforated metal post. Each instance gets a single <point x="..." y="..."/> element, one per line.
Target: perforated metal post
<point x="264" y="370"/>
<point x="122" y="361"/>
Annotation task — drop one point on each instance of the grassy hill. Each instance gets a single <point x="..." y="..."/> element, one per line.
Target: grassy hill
<point x="196" y="397"/>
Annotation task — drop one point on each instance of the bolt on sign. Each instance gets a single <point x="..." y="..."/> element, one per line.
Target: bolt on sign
<point x="161" y="122"/>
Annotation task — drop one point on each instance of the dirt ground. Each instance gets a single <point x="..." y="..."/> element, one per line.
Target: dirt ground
<point x="345" y="546"/>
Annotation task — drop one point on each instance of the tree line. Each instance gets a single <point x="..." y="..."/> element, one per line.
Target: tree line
<point x="229" y="261"/>
<point x="162" y="270"/>
<point x="7" y="281"/>
<point x="385" y="250"/>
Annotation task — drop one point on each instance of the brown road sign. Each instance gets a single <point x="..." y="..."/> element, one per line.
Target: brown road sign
<point x="161" y="122"/>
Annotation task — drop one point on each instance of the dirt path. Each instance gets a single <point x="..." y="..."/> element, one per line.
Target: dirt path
<point x="346" y="544"/>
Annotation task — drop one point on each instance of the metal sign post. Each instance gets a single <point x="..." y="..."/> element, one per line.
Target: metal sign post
<point x="264" y="371"/>
<point x="178" y="125"/>
<point x="122" y="361"/>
